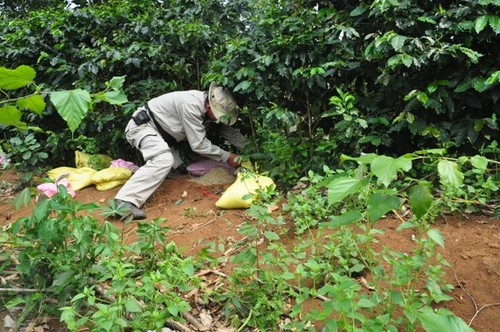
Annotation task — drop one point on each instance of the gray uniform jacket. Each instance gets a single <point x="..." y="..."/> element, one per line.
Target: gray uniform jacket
<point x="182" y="114"/>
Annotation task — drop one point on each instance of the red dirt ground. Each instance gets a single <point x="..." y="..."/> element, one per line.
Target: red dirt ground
<point x="472" y="243"/>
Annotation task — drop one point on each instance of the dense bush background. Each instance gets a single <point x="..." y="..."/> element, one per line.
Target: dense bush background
<point x="315" y="78"/>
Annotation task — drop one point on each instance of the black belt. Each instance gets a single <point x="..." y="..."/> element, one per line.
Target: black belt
<point x="166" y="136"/>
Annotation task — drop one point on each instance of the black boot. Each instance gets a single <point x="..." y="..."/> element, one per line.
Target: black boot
<point x="130" y="209"/>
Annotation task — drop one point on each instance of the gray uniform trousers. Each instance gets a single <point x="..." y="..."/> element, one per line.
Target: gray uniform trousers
<point x="158" y="157"/>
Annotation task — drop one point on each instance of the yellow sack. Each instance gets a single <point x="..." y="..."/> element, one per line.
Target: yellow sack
<point x="110" y="177"/>
<point x="109" y="185"/>
<point x="95" y="161"/>
<point x="79" y="178"/>
<point x="245" y="186"/>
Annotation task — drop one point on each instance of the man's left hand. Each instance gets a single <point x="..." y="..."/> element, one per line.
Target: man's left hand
<point x="233" y="160"/>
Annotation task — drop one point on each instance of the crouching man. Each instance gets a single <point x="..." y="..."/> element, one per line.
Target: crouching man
<point x="158" y="126"/>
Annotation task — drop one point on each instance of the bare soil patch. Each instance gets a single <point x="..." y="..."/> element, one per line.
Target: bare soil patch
<point x="188" y="206"/>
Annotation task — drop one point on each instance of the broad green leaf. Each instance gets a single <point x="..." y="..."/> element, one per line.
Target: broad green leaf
<point x="11" y="79"/>
<point x="120" y="322"/>
<point x="345" y="219"/>
<point x="365" y="303"/>
<point x="106" y="325"/>
<point x="189" y="269"/>
<point x="464" y="85"/>
<point x="41" y="211"/>
<point x="116" y="82"/>
<point x="10" y="116"/>
<point x="433" y="86"/>
<point x="479" y="84"/>
<point x="47" y="230"/>
<point x="379" y="204"/>
<point x="68" y="315"/>
<point x="437" y="292"/>
<point x="398" y="42"/>
<point x="244" y="85"/>
<point x="406" y="225"/>
<point x="473" y="55"/>
<point x="340" y="188"/>
<point x="407" y="60"/>
<point x="450" y="174"/>
<point x="363" y="159"/>
<point x="173" y="309"/>
<point x="427" y="20"/>
<point x="115" y="97"/>
<point x="34" y="103"/>
<point x="63" y="278"/>
<point x="246" y="257"/>
<point x="496" y="213"/>
<point x="386" y="168"/>
<point x="397" y="297"/>
<point x="442" y="320"/>
<point x="271" y="235"/>
<point x="435" y="235"/>
<point x="410" y="95"/>
<point x="480" y="23"/>
<point x="423" y="98"/>
<point x="72" y="105"/>
<point x="494" y="23"/>
<point x="395" y="60"/>
<point x="131" y="305"/>
<point x="358" y="11"/>
<point x="420" y="199"/>
<point x="494" y="78"/>
<point x="410" y="117"/>
<point x="479" y="162"/>
<point x="22" y="199"/>
<point x="439" y="152"/>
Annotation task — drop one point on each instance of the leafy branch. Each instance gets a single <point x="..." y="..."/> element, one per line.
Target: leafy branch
<point x="72" y="105"/>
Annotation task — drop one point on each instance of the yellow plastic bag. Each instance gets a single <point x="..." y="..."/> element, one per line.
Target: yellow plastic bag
<point x="110" y="177"/>
<point x="241" y="193"/>
<point x="109" y="185"/>
<point x="95" y="161"/>
<point x="79" y="178"/>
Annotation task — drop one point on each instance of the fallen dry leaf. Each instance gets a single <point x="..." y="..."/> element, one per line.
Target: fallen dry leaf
<point x="206" y="319"/>
<point x="272" y="208"/>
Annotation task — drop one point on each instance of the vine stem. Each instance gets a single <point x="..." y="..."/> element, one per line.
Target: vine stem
<point x="454" y="159"/>
<point x="19" y="290"/>
<point x="246" y="320"/>
<point x="252" y="128"/>
<point x="476" y="308"/>
<point x="480" y="309"/>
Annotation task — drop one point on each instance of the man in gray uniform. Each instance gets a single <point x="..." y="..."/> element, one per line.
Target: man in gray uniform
<point x="165" y="120"/>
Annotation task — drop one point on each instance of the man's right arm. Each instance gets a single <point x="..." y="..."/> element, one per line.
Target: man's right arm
<point x="196" y="135"/>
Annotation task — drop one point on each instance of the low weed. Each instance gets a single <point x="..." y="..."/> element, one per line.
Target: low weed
<point x="87" y="273"/>
<point x="332" y="257"/>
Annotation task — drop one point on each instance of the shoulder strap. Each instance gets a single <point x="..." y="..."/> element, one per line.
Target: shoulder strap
<point x="166" y="136"/>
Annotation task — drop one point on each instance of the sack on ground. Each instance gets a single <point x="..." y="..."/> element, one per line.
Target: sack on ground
<point x="95" y="161"/>
<point x="110" y="177"/>
<point x="241" y="193"/>
<point x="109" y="185"/>
<point x="79" y="178"/>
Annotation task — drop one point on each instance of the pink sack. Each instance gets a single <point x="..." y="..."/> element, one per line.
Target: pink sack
<point x="203" y="166"/>
<point x="124" y="164"/>
<point x="50" y="189"/>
